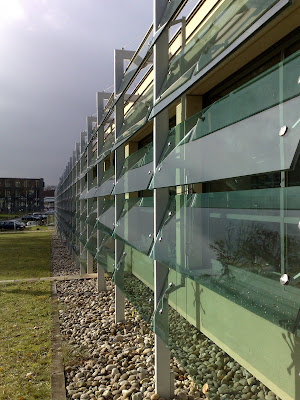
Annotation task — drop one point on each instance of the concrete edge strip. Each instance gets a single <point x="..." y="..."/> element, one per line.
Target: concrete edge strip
<point x="58" y="388"/>
<point x="51" y="278"/>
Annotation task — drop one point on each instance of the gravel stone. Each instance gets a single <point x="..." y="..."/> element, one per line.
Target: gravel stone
<point x="108" y="361"/>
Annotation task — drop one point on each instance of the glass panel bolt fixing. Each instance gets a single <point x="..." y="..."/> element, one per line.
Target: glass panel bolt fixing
<point x="283" y="130"/>
<point x="284" y="279"/>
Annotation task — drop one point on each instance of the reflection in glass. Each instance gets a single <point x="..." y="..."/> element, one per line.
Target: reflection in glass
<point x="221" y="28"/>
<point x="266" y="104"/>
<point x="136" y="172"/>
<point x="105" y="255"/>
<point x="135" y="225"/>
<point x="134" y="276"/>
<point x="107" y="183"/>
<point x="136" y="61"/>
<point x="137" y="116"/>
<point x="106" y="219"/>
<point x="238" y="244"/>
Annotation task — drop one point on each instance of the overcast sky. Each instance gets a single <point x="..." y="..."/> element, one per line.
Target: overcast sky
<point x="54" y="56"/>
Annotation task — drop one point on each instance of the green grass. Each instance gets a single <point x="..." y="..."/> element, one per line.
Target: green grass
<point x="25" y="341"/>
<point x="25" y="254"/>
<point x="10" y="216"/>
<point x="38" y="228"/>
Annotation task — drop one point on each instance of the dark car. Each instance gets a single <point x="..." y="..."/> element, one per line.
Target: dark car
<point x="11" y="225"/>
<point x="29" y="218"/>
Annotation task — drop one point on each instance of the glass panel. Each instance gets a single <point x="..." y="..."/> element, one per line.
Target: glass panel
<point x="91" y="193"/>
<point x="238" y="244"/>
<point x="237" y="150"/>
<point x="106" y="219"/>
<point x="273" y="87"/>
<point x="223" y="26"/>
<point x="83" y="237"/>
<point x="134" y="275"/>
<point x="137" y="171"/>
<point x="93" y="159"/>
<point x="107" y="146"/>
<point x="83" y="214"/>
<point x="105" y="255"/>
<point x="176" y="320"/>
<point x="137" y="116"/>
<point x="91" y="244"/>
<point x="77" y="214"/>
<point x="170" y="9"/>
<point x="91" y="219"/>
<point x="83" y="194"/>
<point x="107" y="183"/>
<point x="135" y="225"/>
<point x="136" y="61"/>
<point x="180" y="134"/>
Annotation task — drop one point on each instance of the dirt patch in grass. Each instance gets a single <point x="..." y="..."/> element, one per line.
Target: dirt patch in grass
<point x="24" y="255"/>
<point x="25" y="340"/>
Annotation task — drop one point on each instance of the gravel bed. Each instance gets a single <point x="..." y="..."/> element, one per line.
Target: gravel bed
<point x="61" y="262"/>
<point x="104" y="360"/>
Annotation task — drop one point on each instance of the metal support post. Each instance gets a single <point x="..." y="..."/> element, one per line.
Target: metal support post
<point x="119" y="57"/>
<point x="161" y="196"/>
<point x="101" y="282"/>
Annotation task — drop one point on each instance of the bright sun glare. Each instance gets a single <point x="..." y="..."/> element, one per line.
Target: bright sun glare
<point x="10" y="10"/>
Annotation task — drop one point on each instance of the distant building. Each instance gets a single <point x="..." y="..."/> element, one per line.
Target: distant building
<point x="49" y="199"/>
<point x="21" y="194"/>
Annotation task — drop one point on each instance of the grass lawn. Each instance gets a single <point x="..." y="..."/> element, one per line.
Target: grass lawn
<point x="10" y="216"/>
<point x="25" y="254"/>
<point x="25" y="328"/>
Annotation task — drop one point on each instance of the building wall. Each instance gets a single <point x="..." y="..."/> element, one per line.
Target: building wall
<point x="188" y="194"/>
<point x="21" y="194"/>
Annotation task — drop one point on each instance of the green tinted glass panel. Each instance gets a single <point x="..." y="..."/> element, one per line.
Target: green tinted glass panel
<point x="107" y="146"/>
<point x="238" y="244"/>
<point x="83" y="237"/>
<point x="136" y="172"/>
<point x="170" y="9"/>
<point x="236" y="150"/>
<point x="221" y="28"/>
<point x="91" y="193"/>
<point x="136" y="61"/>
<point x="273" y="87"/>
<point x="93" y="159"/>
<point x="107" y="183"/>
<point x="83" y="214"/>
<point x="135" y="225"/>
<point x="106" y="219"/>
<point x="137" y="116"/>
<point x="135" y="158"/>
<point x="91" y="244"/>
<point x="91" y="219"/>
<point x="83" y="194"/>
<point x="105" y="255"/>
<point x="134" y="276"/>
<point x="180" y="134"/>
<point x="176" y="320"/>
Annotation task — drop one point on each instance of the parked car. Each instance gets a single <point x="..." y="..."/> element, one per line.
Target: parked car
<point x="11" y="225"/>
<point x="31" y="223"/>
<point x="28" y="218"/>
